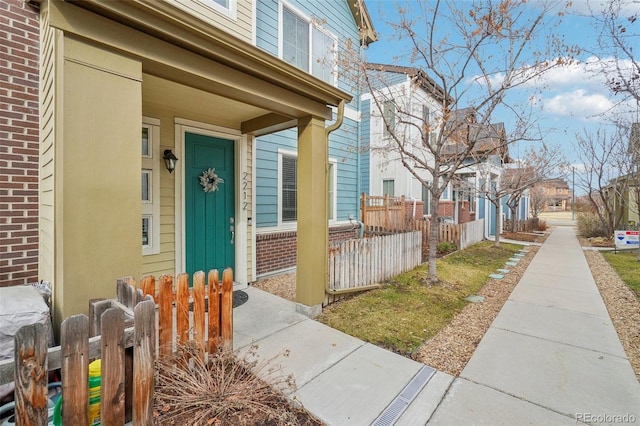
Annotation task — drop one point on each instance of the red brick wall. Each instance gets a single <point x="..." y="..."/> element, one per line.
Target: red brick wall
<point x="277" y="251"/>
<point x="419" y="209"/>
<point x="445" y="208"/>
<point x="464" y="215"/>
<point x="19" y="40"/>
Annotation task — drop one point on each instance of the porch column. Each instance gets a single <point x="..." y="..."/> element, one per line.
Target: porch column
<point x="313" y="220"/>
<point x="94" y="186"/>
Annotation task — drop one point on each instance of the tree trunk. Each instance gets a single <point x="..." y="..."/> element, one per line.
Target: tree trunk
<point x="513" y="209"/>
<point x="496" y="241"/>
<point x="433" y="240"/>
<point x="433" y="236"/>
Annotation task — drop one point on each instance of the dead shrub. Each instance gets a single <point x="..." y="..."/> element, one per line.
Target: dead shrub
<point x="223" y="390"/>
<point x="590" y="225"/>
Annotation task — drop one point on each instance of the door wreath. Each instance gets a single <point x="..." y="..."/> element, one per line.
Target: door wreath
<point x="209" y="180"/>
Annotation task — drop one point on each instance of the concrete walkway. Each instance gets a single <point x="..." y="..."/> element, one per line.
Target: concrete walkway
<point x="550" y="357"/>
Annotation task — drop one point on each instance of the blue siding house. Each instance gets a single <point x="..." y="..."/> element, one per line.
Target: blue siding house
<point x="309" y="35"/>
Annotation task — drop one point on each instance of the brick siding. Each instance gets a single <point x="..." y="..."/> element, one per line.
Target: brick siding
<point x="277" y="251"/>
<point x="19" y="149"/>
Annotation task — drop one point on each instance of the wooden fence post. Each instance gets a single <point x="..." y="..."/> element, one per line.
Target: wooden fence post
<point x="182" y="309"/>
<point x="31" y="375"/>
<point x="198" y="312"/>
<point x="143" y="362"/>
<point x="112" y="395"/>
<point x="165" y="314"/>
<point x="74" y="342"/>
<point x="227" y="309"/>
<point x="214" y="311"/>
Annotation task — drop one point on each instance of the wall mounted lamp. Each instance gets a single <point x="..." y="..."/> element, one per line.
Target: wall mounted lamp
<point x="169" y="160"/>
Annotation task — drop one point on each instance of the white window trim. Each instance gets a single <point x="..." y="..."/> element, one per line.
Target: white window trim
<point x="151" y="165"/>
<point x="383" y="180"/>
<point x="292" y="225"/>
<point x="231" y="12"/>
<point x="334" y="213"/>
<point x="281" y="5"/>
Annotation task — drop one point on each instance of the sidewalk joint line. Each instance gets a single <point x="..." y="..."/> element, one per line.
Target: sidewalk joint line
<point x="560" y="343"/>
<point x="520" y="398"/>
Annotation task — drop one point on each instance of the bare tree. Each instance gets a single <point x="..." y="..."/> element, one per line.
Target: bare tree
<point x="474" y="54"/>
<point x="538" y="199"/>
<point x="605" y="159"/>
<point x="619" y="25"/>
<point x="525" y="173"/>
<point x="519" y="175"/>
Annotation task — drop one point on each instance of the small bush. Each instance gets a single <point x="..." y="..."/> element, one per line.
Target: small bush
<point x="223" y="390"/>
<point x="590" y="225"/>
<point x="542" y="225"/>
<point x="445" y="247"/>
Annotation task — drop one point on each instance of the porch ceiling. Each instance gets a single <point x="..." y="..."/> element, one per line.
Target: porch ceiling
<point x="177" y="46"/>
<point x="194" y="102"/>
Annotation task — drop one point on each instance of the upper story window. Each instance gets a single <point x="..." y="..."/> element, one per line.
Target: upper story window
<point x="388" y="187"/>
<point x="389" y="119"/>
<point x="226" y="7"/>
<point x="306" y="45"/>
<point x="426" y="115"/>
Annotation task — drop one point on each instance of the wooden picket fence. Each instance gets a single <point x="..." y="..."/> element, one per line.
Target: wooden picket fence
<point x="203" y="313"/>
<point x="462" y="234"/>
<point x="366" y="261"/>
<point x="122" y="332"/>
<point x="383" y="212"/>
<point x="522" y="225"/>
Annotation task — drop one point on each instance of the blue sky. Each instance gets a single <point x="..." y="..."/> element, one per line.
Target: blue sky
<point x="573" y="99"/>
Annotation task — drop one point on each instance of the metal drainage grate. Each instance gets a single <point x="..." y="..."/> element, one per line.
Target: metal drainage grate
<point x="395" y="409"/>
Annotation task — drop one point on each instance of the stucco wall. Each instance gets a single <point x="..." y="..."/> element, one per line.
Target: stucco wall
<point x="97" y="210"/>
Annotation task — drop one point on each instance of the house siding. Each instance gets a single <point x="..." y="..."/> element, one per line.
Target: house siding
<point x="276" y="244"/>
<point x="240" y="27"/>
<point x="19" y="143"/>
<point x="49" y="38"/>
<point x="365" y="158"/>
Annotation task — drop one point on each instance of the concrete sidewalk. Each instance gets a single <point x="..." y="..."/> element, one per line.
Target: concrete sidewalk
<point x="551" y="356"/>
<point x="340" y="379"/>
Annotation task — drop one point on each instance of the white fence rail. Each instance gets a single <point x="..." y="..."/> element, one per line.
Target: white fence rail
<point x="471" y="233"/>
<point x="357" y="263"/>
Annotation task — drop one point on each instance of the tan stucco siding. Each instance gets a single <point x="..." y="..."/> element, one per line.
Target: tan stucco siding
<point x="239" y="25"/>
<point x="97" y="178"/>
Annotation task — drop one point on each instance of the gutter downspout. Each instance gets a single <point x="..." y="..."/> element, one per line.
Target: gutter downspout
<point x="327" y="289"/>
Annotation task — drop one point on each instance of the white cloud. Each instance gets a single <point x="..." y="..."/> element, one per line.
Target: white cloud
<point x="578" y="104"/>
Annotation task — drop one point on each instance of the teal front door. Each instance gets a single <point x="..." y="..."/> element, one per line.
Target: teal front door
<point x="209" y="216"/>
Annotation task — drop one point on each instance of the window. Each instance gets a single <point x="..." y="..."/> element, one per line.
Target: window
<point x="331" y="199"/>
<point x="228" y="8"/>
<point x="288" y="193"/>
<point x="426" y="115"/>
<point x="426" y="199"/>
<point x="445" y="194"/>
<point x="388" y="187"/>
<point x="150" y="185"/>
<point x="389" y="123"/>
<point x="289" y="189"/>
<point x="307" y="46"/>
